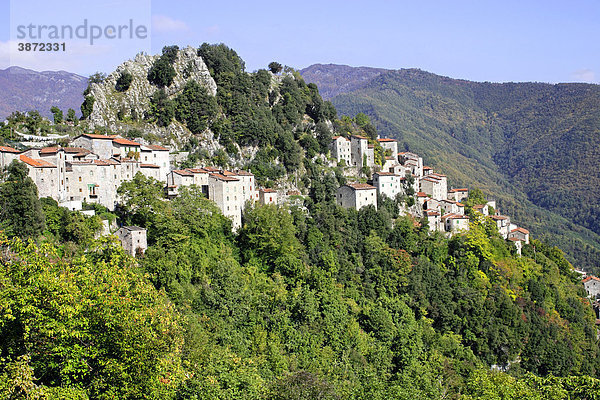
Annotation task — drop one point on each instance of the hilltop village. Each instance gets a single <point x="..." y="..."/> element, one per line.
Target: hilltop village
<point x="93" y="166"/>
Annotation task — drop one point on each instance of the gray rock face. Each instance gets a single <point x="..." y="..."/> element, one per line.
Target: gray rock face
<point x="136" y="100"/>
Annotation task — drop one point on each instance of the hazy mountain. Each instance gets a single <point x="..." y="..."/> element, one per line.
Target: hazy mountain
<point x="23" y="90"/>
<point x="333" y="79"/>
<point x="533" y="146"/>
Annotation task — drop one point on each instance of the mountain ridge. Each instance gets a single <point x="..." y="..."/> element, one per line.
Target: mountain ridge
<point x="23" y="90"/>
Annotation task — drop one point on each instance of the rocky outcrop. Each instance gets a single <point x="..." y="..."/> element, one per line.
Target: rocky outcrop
<point x="115" y="109"/>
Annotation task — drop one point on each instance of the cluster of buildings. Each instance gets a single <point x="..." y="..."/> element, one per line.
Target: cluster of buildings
<point x="93" y="166"/>
<point x="403" y="174"/>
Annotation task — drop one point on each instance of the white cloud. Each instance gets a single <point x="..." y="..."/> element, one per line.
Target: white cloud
<point x="164" y="24"/>
<point x="584" y="75"/>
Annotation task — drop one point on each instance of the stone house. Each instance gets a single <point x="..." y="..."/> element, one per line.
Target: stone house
<point x="434" y="219"/>
<point x="150" y="171"/>
<point x="451" y="206"/>
<point x="592" y="286"/>
<point x="357" y="195"/>
<point x="156" y="155"/>
<point x="267" y="196"/>
<point x="435" y="186"/>
<point x="126" y="148"/>
<point x="44" y="174"/>
<point x="503" y="224"/>
<point x="133" y="239"/>
<point x="388" y="184"/>
<point x="102" y="145"/>
<point x="391" y="145"/>
<point x="226" y="192"/>
<point x="341" y="149"/>
<point x="359" y="146"/>
<point x="519" y="233"/>
<point x="180" y="177"/>
<point x="7" y="155"/>
<point x="458" y="194"/>
<point x="455" y="223"/>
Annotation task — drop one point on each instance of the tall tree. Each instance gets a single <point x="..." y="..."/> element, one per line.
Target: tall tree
<point x="21" y="210"/>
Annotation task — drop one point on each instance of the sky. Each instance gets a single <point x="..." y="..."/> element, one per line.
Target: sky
<point x="497" y="41"/>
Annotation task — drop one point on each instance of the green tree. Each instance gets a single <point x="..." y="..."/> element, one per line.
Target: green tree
<point x="87" y="106"/>
<point x="124" y="81"/>
<point x="93" y="324"/>
<point x="195" y="107"/>
<point x="267" y="237"/>
<point x="142" y="200"/>
<point x="58" y="115"/>
<point x="162" y="71"/>
<point x="275" y="67"/>
<point x="72" y="117"/>
<point x="21" y="210"/>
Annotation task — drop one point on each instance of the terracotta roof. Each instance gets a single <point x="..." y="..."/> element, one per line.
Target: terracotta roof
<point x="36" y="162"/>
<point x="426" y="167"/>
<point x="521" y="230"/>
<point x="359" y="137"/>
<point x="498" y="217"/>
<point x="267" y="190"/>
<point x="460" y="204"/>
<point x="421" y="194"/>
<point x="149" y="166"/>
<point x="432" y="212"/>
<point x="197" y="170"/>
<point x="437" y="175"/>
<point x="76" y="150"/>
<point x="125" y="142"/>
<point x="589" y="278"/>
<point x="157" y="147"/>
<point x="478" y="206"/>
<point x="241" y="172"/>
<point x="224" y="178"/>
<point x="455" y="216"/>
<point x="514" y="239"/>
<point x="360" y="186"/>
<point x="337" y="137"/>
<point x="458" y="190"/>
<point x="182" y="172"/>
<point x="95" y="136"/>
<point x="49" y="150"/>
<point x="6" y="149"/>
<point x="386" y="140"/>
<point x="211" y="169"/>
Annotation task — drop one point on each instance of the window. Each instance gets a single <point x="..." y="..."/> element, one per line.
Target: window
<point x="79" y="179"/>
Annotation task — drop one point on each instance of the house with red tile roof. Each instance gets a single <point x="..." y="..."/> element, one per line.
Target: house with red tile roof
<point x="7" y="155"/>
<point x="520" y="234"/>
<point x="592" y="286"/>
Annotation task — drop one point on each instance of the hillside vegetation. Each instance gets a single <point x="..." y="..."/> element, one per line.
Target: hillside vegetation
<point x="304" y="301"/>
<point x="532" y="146"/>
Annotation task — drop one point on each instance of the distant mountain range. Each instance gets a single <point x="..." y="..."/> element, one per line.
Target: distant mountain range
<point x="24" y="90"/>
<point x="533" y="146"/>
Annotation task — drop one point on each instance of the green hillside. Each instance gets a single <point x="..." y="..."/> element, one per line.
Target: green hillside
<point x="532" y="146"/>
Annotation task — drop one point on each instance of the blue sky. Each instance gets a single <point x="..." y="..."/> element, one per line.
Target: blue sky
<point x="545" y="41"/>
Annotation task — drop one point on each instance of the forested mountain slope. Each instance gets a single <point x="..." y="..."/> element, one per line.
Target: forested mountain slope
<point x="533" y="146"/>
